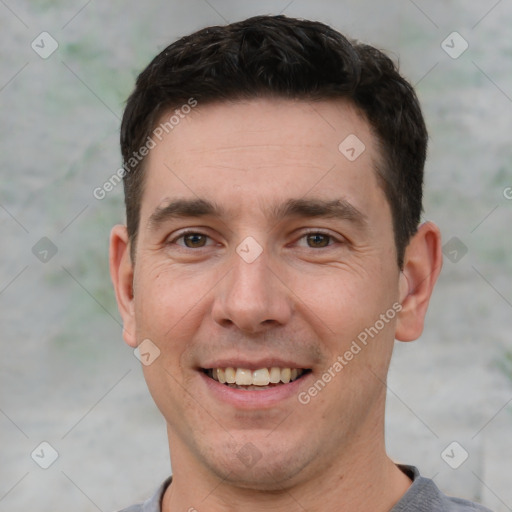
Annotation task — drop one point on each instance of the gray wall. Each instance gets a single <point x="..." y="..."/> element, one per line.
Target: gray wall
<point x="66" y="376"/>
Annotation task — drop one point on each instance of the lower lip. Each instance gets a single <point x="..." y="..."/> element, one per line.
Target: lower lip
<point x="247" y="399"/>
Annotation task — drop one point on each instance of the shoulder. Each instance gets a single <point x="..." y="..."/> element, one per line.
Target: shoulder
<point x="457" y="504"/>
<point x="152" y="504"/>
<point x="133" y="508"/>
<point x="425" y="496"/>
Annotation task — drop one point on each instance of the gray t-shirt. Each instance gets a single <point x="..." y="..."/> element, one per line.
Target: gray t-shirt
<point x="422" y="496"/>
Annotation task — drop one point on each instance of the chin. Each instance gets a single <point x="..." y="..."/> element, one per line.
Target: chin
<point x="270" y="467"/>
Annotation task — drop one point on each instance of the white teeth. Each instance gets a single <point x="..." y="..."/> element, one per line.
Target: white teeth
<point x="230" y="375"/>
<point x="221" y="375"/>
<point x="243" y="377"/>
<point x="260" y="377"/>
<point x="275" y="375"/>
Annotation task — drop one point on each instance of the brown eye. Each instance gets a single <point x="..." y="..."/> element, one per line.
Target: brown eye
<point x="194" y="240"/>
<point x="318" y="240"/>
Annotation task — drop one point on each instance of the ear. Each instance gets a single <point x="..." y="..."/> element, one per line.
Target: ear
<point x="121" y="273"/>
<point x="422" y="264"/>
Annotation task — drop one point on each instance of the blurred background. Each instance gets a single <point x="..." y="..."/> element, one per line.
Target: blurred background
<point x="66" y="376"/>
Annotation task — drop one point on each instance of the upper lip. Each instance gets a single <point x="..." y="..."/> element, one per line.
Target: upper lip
<point x="254" y="364"/>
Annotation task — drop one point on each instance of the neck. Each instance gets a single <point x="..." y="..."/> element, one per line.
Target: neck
<point x="363" y="478"/>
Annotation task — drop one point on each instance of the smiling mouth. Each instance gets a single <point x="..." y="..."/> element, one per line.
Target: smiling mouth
<point x="260" y="379"/>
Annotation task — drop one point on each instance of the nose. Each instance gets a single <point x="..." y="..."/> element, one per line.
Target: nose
<point x="252" y="296"/>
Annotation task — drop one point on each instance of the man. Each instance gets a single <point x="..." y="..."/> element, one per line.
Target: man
<point x="272" y="254"/>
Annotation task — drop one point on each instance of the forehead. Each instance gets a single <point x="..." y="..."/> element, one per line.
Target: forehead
<point x="263" y="150"/>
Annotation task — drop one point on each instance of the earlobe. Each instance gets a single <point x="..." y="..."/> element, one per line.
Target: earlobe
<point x="121" y="273"/>
<point x="422" y="265"/>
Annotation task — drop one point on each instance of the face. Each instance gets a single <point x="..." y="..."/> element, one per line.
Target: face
<point x="261" y="245"/>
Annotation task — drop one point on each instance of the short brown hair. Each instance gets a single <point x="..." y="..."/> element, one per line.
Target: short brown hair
<point x="278" y="56"/>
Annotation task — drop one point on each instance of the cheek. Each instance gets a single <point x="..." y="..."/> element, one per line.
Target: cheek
<point x="163" y="297"/>
<point x="345" y="311"/>
<point x="344" y="300"/>
<point x="167" y="312"/>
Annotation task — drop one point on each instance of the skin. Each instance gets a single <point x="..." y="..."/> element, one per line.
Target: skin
<point x="303" y="297"/>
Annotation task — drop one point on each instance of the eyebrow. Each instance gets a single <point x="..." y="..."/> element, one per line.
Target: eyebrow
<point x="340" y="209"/>
<point x="182" y="208"/>
<point x="304" y="208"/>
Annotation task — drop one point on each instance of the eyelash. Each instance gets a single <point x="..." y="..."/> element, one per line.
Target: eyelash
<point x="305" y="234"/>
